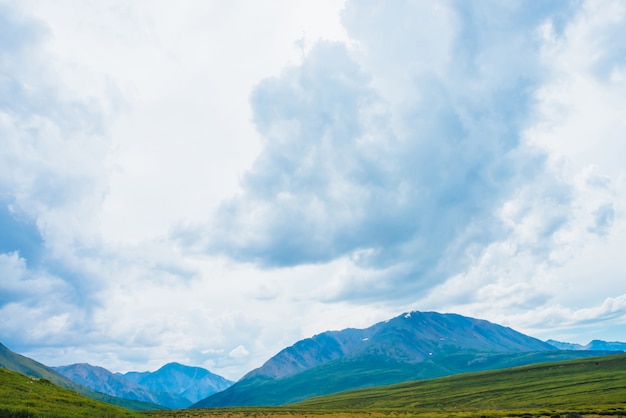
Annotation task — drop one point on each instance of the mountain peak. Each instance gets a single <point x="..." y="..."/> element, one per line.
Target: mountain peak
<point x="412" y="345"/>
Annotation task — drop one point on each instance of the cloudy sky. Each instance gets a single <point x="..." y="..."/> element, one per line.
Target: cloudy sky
<point x="211" y="181"/>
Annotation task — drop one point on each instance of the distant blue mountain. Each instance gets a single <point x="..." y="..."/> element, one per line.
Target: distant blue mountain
<point x="595" y="345"/>
<point x="192" y="383"/>
<point x="103" y="381"/>
<point x="173" y="385"/>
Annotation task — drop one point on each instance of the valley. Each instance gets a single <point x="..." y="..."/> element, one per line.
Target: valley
<point x="416" y="364"/>
<point x="588" y="387"/>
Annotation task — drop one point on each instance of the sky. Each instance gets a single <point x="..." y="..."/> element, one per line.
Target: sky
<point x="209" y="182"/>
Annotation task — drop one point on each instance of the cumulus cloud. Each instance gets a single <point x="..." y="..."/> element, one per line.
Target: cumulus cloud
<point x="52" y="162"/>
<point x="396" y="152"/>
<point x="239" y="351"/>
<point x="559" y="269"/>
<point x="52" y="177"/>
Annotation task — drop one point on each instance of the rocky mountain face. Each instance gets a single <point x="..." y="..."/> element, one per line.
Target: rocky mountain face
<point x="173" y="386"/>
<point x="411" y="338"/>
<point x="415" y="345"/>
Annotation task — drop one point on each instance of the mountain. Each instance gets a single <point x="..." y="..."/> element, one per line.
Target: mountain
<point x="191" y="383"/>
<point x="29" y="367"/>
<point x="415" y="345"/>
<point x="173" y="386"/>
<point x="565" y="346"/>
<point x="597" y="345"/>
<point x="102" y="380"/>
<point x="411" y="337"/>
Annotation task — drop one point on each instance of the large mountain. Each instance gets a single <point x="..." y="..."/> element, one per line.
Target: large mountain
<point x="29" y="367"/>
<point x="415" y="345"/>
<point x="173" y="386"/>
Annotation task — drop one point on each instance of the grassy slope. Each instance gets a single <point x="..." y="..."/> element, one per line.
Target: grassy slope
<point x="27" y="366"/>
<point x="24" y="396"/>
<point x="593" y="384"/>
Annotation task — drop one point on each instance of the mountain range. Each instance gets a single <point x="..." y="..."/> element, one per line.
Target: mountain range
<point x="174" y="385"/>
<point x="597" y="345"/>
<point x="412" y="346"/>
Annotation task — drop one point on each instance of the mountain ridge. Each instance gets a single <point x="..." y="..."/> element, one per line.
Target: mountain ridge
<point x="592" y="345"/>
<point x="174" y="385"/>
<point x="331" y="345"/>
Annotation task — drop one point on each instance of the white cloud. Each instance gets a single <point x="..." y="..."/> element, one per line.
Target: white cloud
<point x="239" y="351"/>
<point x="559" y="270"/>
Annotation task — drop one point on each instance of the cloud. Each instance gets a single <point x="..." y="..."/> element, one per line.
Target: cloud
<point x="52" y="176"/>
<point x="239" y="351"/>
<point x="52" y="168"/>
<point x="19" y="234"/>
<point x="396" y="153"/>
<point x="558" y="270"/>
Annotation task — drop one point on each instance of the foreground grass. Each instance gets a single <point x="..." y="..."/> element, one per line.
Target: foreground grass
<point x="590" y="387"/>
<point x="25" y="397"/>
<point x="286" y="413"/>
<point x="584" y="385"/>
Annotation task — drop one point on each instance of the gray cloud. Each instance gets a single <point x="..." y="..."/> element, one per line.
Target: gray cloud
<point x="51" y="174"/>
<point x="603" y="219"/>
<point x="407" y="178"/>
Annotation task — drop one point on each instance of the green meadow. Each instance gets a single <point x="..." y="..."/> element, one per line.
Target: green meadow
<point x="593" y="385"/>
<point x="25" y="397"/>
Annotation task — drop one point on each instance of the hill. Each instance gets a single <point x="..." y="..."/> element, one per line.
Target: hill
<point x="593" y="385"/>
<point x="416" y="345"/>
<point x="29" y="367"/>
<point x="24" y="396"/>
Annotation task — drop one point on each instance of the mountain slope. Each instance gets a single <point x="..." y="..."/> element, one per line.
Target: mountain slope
<point x="416" y="345"/>
<point x="24" y="396"/>
<point x="29" y="367"/>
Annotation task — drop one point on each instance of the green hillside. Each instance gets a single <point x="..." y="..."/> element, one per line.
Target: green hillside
<point x="16" y="362"/>
<point x="592" y="385"/>
<point x="23" y="396"/>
